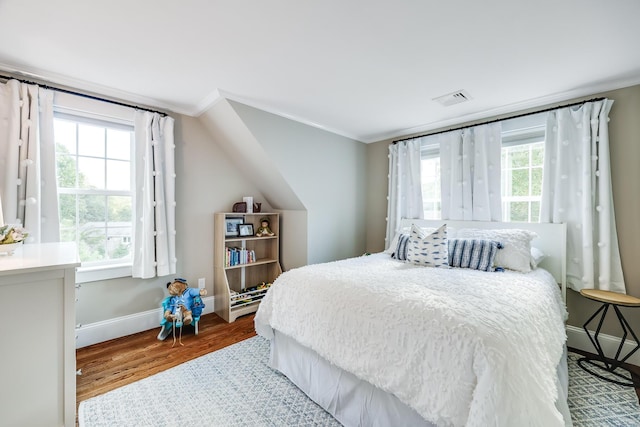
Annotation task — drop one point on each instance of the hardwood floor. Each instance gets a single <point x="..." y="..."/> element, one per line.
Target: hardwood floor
<point x="112" y="364"/>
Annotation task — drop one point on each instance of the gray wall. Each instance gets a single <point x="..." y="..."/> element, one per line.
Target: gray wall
<point x="327" y="173"/>
<point x="624" y="132"/>
<point x="203" y="186"/>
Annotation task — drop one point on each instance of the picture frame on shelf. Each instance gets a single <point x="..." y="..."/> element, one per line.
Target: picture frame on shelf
<point x="245" y="230"/>
<point x="231" y="226"/>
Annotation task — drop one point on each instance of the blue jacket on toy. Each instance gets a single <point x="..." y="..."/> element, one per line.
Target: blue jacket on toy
<point x="183" y="303"/>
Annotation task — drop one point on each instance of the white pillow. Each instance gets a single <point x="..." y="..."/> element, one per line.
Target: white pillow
<point x="536" y="257"/>
<point x="430" y="250"/>
<point x="516" y="246"/>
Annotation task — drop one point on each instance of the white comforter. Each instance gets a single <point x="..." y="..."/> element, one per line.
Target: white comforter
<point x="461" y="347"/>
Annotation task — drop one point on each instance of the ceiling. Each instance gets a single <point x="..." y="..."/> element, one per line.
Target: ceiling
<point x="368" y="70"/>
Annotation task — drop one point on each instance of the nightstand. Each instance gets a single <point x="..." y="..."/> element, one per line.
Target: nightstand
<point x="601" y="362"/>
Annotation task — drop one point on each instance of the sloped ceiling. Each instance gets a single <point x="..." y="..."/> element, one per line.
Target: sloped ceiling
<point x="233" y="136"/>
<point x="368" y="70"/>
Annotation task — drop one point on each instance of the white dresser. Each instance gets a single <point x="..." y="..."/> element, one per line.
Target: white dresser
<point x="37" y="335"/>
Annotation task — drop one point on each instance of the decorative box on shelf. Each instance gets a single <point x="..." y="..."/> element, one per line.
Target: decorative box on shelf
<point x="243" y="259"/>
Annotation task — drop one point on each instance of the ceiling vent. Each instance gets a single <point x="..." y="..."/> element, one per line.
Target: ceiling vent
<point x="453" y="98"/>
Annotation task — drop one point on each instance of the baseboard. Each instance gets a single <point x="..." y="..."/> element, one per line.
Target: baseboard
<point x="577" y="338"/>
<point x="106" y="330"/>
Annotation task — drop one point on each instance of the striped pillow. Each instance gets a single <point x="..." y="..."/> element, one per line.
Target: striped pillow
<point x="516" y="251"/>
<point x="401" y="248"/>
<point x="477" y="254"/>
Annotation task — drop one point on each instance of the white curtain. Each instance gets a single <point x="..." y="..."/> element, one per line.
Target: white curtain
<point x="154" y="228"/>
<point x="28" y="187"/>
<point x="577" y="191"/>
<point x="470" y="173"/>
<point x="405" y="185"/>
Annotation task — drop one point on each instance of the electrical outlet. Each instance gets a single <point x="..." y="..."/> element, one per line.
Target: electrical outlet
<point x="201" y="283"/>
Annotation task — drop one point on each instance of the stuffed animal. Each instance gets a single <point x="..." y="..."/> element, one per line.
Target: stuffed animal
<point x="264" y="229"/>
<point x="184" y="302"/>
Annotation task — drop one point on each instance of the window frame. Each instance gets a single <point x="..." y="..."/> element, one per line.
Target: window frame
<point x="90" y="111"/>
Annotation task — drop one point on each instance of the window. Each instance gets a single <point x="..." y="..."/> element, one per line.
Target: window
<point x="430" y="174"/>
<point x="522" y="166"/>
<point x="94" y="171"/>
<point x="522" y="182"/>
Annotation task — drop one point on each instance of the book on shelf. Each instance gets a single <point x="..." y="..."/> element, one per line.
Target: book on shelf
<point x="238" y="256"/>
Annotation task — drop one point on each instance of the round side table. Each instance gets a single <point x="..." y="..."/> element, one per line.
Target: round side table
<point x="593" y="364"/>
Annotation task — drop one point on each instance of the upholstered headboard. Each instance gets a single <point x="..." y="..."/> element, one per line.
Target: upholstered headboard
<point x="552" y="240"/>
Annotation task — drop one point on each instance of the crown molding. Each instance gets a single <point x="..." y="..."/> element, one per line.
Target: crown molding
<point x="65" y="82"/>
<point x="207" y="103"/>
<point x="218" y="94"/>
<point x="587" y="91"/>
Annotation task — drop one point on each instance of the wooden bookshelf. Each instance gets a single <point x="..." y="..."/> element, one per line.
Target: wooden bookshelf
<point x="238" y="288"/>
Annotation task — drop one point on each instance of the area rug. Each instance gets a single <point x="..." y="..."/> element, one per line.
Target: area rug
<point x="597" y="403"/>
<point x="235" y="387"/>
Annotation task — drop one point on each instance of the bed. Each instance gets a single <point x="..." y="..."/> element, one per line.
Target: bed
<point x="378" y="341"/>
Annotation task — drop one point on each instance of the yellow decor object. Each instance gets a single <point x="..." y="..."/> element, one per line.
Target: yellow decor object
<point x="11" y="237"/>
<point x="12" y="234"/>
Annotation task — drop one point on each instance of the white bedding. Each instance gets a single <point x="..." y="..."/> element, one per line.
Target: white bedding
<point x="461" y="347"/>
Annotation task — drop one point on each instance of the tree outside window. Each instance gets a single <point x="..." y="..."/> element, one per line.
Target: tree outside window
<point x="94" y="187"/>
<point x="522" y="182"/>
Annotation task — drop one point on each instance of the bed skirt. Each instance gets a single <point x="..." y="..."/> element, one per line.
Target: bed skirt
<point x="354" y="402"/>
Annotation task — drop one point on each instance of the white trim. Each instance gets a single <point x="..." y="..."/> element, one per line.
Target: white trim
<point x="211" y="99"/>
<point x="106" y="330"/>
<point x="214" y="96"/>
<point x="102" y="272"/>
<point x="79" y="107"/>
<point x="207" y="103"/>
<point x="39" y="75"/>
<point x="577" y="338"/>
<point x="102" y="120"/>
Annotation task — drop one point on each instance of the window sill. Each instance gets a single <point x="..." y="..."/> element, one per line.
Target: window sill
<point x="94" y="274"/>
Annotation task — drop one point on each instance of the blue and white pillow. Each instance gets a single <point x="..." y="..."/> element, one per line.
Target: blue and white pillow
<point x="476" y="254"/>
<point x="393" y="246"/>
<point x="400" y="252"/>
<point x="430" y="250"/>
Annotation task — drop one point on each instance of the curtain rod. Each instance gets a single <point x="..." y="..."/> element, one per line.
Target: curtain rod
<point x="84" y="95"/>
<point x="500" y="120"/>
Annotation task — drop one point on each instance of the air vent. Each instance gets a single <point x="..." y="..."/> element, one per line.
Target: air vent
<point x="453" y="98"/>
